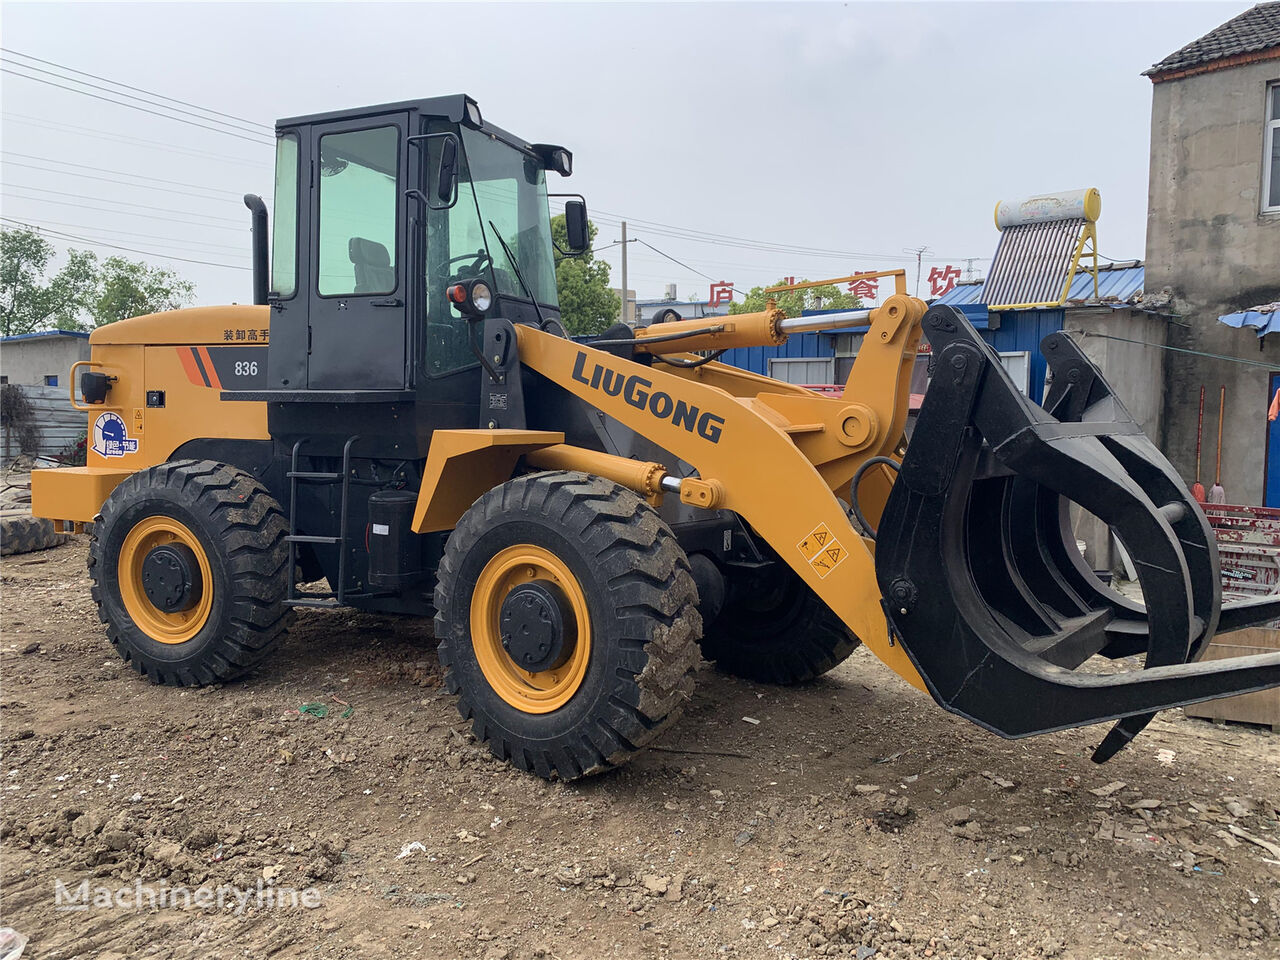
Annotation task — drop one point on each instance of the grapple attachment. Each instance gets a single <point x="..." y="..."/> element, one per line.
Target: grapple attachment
<point x="978" y="567"/>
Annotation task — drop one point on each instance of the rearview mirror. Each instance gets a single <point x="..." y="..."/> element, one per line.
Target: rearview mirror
<point x="447" y="171"/>
<point x="575" y="223"/>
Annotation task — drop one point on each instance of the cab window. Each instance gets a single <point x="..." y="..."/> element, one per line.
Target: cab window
<point x="358" y="174"/>
<point x="284" y="238"/>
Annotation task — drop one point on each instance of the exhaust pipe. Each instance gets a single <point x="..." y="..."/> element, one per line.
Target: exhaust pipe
<point x="259" y="211"/>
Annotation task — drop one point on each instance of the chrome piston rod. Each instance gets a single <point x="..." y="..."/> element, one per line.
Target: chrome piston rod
<point x="827" y="321"/>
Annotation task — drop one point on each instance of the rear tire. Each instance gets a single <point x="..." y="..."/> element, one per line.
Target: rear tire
<point x="231" y="530"/>
<point x="628" y="602"/>
<point x="774" y="629"/>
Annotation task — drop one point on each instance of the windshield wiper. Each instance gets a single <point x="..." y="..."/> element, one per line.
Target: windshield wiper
<point x="542" y="321"/>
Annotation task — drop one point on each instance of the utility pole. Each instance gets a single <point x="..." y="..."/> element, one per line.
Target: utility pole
<point x="625" y="315"/>
<point x="919" y="254"/>
<point x="968" y="266"/>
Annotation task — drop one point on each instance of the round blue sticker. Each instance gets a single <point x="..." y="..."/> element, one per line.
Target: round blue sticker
<point x="111" y="436"/>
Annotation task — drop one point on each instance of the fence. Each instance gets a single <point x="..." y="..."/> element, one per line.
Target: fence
<point x="59" y="425"/>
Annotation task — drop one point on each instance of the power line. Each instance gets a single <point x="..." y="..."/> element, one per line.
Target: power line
<point x="122" y="173"/>
<point x="150" y="93"/>
<point x="135" y="141"/>
<point x="130" y="96"/>
<point x="126" y="183"/>
<point x="58" y="234"/>
<point x="187" y="218"/>
<point x="145" y="236"/>
<point x="1194" y="353"/>
<point x="123" y="203"/>
<point x="133" y="106"/>
<point x="689" y="268"/>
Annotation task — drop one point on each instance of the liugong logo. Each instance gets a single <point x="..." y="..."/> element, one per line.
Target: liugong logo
<point x="635" y="391"/>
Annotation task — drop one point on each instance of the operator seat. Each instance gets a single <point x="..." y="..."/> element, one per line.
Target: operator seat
<point x="372" y="266"/>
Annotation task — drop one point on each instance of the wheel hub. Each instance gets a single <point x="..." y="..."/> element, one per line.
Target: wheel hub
<point x="171" y="577"/>
<point x="537" y="626"/>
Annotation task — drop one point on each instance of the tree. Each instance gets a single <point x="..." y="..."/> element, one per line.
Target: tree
<point x="129" y="288"/>
<point x="794" y="302"/>
<point x="29" y="301"/>
<point x="83" y="293"/>
<point x="587" y="305"/>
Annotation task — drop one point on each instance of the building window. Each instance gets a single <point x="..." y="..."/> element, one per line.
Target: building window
<point x="50" y="379"/>
<point x="1271" y="153"/>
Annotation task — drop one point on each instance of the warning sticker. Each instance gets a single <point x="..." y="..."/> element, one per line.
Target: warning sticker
<point x="823" y="551"/>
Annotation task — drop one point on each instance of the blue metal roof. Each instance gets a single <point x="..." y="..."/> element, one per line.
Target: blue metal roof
<point x="81" y="334"/>
<point x="1265" y="318"/>
<point x="1117" y="283"/>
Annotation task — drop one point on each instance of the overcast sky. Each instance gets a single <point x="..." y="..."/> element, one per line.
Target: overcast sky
<point x="853" y="130"/>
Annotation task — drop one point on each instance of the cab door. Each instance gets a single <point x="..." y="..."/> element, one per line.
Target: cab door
<point x="357" y="319"/>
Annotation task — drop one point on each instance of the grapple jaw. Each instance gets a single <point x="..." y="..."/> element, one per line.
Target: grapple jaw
<point x="979" y="571"/>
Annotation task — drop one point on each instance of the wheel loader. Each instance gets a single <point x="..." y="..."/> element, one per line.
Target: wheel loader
<point x="399" y="423"/>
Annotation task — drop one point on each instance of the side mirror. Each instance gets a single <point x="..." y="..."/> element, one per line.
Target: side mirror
<point x="447" y="171"/>
<point x="575" y="223"/>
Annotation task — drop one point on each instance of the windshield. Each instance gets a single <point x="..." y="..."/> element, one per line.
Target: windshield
<point x="497" y="184"/>
<point x="509" y="191"/>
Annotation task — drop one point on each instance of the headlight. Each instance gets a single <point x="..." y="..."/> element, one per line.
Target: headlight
<point x="481" y="296"/>
<point x="473" y="113"/>
<point x="471" y="297"/>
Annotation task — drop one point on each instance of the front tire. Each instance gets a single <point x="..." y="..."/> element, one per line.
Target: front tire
<point x="189" y="569"/>
<point x="568" y="623"/>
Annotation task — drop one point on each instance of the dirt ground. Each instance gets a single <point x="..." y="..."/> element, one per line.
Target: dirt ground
<point x="849" y="818"/>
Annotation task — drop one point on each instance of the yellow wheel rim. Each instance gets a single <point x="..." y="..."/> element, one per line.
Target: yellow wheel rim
<point x="160" y="625"/>
<point x="546" y="690"/>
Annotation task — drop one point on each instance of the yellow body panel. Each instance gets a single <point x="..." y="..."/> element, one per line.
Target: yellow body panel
<point x="464" y="464"/>
<point x="759" y="471"/>
<point x="73" y="493"/>
<point x="169" y="352"/>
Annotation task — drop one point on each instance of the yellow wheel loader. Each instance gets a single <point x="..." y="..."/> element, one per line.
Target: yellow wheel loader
<point x="400" y="415"/>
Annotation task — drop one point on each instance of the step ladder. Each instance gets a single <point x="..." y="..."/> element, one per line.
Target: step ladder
<point x="334" y="598"/>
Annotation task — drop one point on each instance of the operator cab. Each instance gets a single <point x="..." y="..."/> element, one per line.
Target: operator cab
<point x="381" y="211"/>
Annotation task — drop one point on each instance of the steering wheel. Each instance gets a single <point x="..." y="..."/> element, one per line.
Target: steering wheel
<point x="479" y="260"/>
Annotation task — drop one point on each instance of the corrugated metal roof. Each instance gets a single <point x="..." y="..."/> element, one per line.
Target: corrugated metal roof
<point x="80" y="334"/>
<point x="1258" y="28"/>
<point x="1118" y="283"/>
<point x="1265" y="318"/>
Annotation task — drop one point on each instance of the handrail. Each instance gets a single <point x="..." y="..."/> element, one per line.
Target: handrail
<point x="71" y="387"/>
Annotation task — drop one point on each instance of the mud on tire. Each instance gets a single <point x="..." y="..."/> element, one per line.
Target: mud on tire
<point x="642" y="605"/>
<point x="241" y="530"/>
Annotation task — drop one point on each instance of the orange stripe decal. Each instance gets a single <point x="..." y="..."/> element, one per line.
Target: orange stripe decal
<point x="209" y="368"/>
<point x="188" y="358"/>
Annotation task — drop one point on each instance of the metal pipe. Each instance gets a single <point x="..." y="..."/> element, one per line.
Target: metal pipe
<point x="258" y="209"/>
<point x="826" y="321"/>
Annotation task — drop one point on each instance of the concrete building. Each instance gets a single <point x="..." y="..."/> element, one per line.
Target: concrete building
<point x="1213" y="244"/>
<point x="41" y="359"/>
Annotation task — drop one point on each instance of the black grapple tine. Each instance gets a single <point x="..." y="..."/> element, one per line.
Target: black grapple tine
<point x="1082" y="394"/>
<point x="994" y="621"/>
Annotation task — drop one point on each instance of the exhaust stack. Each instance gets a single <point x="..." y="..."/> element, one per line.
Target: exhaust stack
<point x="259" y="211"/>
